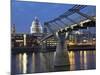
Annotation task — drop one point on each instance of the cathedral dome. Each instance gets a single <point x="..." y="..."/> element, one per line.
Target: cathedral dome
<point x="36" y="26"/>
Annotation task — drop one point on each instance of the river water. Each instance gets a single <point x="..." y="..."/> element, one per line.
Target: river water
<point x="26" y="63"/>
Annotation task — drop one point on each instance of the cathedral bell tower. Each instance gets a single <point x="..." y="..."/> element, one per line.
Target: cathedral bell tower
<point x="13" y="29"/>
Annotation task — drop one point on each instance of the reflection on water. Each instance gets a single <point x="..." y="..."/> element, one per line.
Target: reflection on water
<point x="79" y="60"/>
<point x="71" y="60"/>
<point x="24" y="63"/>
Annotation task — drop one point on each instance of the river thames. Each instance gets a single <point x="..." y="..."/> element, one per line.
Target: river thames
<point x="79" y="60"/>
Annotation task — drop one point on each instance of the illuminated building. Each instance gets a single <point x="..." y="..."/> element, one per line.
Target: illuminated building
<point x="36" y="26"/>
<point x="37" y="32"/>
<point x="31" y="39"/>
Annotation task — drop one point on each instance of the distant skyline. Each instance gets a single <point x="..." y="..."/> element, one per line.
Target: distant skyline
<point x="23" y="13"/>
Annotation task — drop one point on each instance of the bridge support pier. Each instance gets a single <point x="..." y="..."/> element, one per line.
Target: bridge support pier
<point x="61" y="61"/>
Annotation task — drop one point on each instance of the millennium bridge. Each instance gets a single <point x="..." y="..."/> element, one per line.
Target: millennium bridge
<point x="54" y="58"/>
